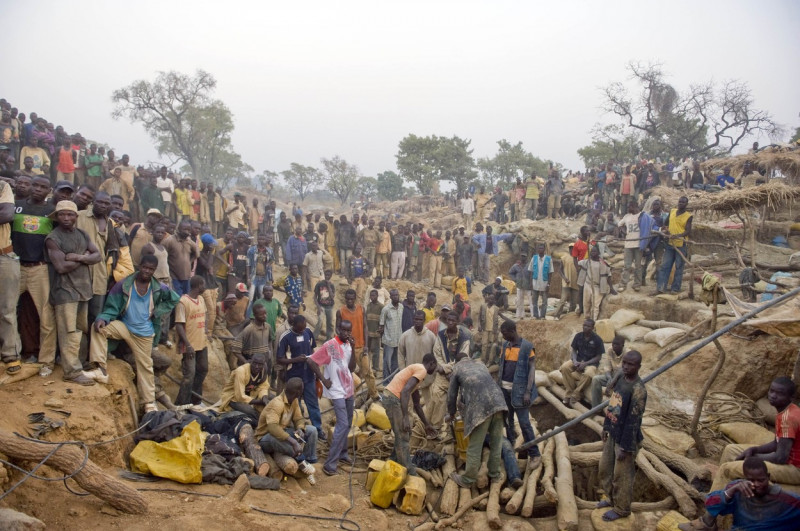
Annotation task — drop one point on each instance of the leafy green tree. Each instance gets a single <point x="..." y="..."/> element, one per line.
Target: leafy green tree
<point x="510" y="161"/>
<point x="367" y="188"/>
<point x="340" y="177"/>
<point x="455" y="161"/>
<point x="706" y="119"/>
<point x="185" y="122"/>
<point x="417" y="161"/>
<point x="302" y="179"/>
<point x="390" y="186"/>
<point x="611" y="142"/>
<point x="796" y="135"/>
<point x="266" y="177"/>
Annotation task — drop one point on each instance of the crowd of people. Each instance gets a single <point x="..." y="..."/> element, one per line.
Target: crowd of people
<point x="104" y="259"/>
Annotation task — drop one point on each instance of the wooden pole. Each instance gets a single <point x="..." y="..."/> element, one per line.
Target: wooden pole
<point x="530" y="492"/>
<point x="493" y="507"/>
<point x="453" y="519"/>
<point x="567" y="512"/>
<point x="68" y="459"/>
<point x="549" y="472"/>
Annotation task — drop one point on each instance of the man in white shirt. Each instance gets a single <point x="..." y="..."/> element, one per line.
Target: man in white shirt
<point x="167" y="187"/>
<point x="633" y="252"/>
<point x="467" y="209"/>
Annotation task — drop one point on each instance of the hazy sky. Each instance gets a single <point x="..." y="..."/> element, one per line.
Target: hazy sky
<point x="315" y="79"/>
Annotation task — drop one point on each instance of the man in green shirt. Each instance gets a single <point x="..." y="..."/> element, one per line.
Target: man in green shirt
<point x="151" y="195"/>
<point x="273" y="307"/>
<point x="93" y="162"/>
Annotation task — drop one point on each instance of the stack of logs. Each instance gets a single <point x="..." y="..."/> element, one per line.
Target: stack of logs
<point x="550" y="488"/>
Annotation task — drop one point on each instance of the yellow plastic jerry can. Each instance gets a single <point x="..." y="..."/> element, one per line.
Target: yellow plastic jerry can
<point x="411" y="498"/>
<point x="389" y="480"/>
<point x="375" y="466"/>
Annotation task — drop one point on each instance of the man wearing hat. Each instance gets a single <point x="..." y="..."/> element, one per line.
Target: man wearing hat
<point x="70" y="253"/>
<point x="62" y="191"/>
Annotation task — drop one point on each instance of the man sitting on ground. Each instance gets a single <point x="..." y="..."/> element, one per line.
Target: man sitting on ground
<point x="753" y="502"/>
<point x="276" y="436"/>
<point x="578" y="371"/>
<point x="247" y="385"/>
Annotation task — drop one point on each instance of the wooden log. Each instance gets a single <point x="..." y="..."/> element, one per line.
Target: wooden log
<point x="659" y="465"/>
<point x="569" y="412"/>
<point x="684" y="465"/>
<point x="685" y="504"/>
<point x="253" y="450"/>
<point x="285" y="463"/>
<point x="549" y="472"/>
<point x="429" y="507"/>
<point x="239" y="489"/>
<point x="427" y="526"/>
<point x="493" y="506"/>
<point x="483" y="472"/>
<point x="424" y="474"/>
<point x="68" y="459"/>
<point x="666" y="504"/>
<point x="481" y="506"/>
<point x="583" y="459"/>
<point x="506" y="494"/>
<point x="567" y="512"/>
<point x="530" y="492"/>
<point x="448" y="502"/>
<point x="596" y="446"/>
<point x="464" y="497"/>
<point x="515" y="503"/>
<point x="438" y="481"/>
<point x="453" y="519"/>
<point x="274" y="471"/>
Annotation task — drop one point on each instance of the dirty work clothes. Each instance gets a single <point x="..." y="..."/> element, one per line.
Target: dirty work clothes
<point x="194" y="371"/>
<point x="779" y="510"/>
<point x="730" y="469"/>
<point x="576" y="381"/>
<point x="616" y="477"/>
<point x="270" y="445"/>
<point x="493" y="428"/>
<point x="71" y="324"/>
<point x="139" y="345"/>
<point x="671" y="257"/>
<point x="480" y="395"/>
<point x="400" y="450"/>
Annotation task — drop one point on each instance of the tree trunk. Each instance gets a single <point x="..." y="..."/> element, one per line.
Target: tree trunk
<point x="567" y="512"/>
<point x="67" y="459"/>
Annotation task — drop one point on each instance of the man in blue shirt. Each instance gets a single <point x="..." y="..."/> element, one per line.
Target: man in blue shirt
<point x="488" y="245"/>
<point x="725" y="179"/>
<point x="294" y="348"/>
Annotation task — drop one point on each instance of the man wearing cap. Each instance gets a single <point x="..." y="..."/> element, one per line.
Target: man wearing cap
<point x="62" y="192"/>
<point x="70" y="254"/>
<point x="95" y="224"/>
<point x="116" y="185"/>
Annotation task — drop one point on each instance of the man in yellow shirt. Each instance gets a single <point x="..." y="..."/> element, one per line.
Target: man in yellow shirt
<point x="247" y="384"/>
<point x="460" y="286"/>
<point x="283" y="429"/>
<point x="679" y="227"/>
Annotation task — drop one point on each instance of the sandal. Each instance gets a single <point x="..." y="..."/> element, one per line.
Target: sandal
<point x="13" y="367"/>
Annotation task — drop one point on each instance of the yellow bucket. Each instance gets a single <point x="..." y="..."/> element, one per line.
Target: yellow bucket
<point x="461" y="442"/>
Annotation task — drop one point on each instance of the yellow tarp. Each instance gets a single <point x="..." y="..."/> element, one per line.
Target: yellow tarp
<point x="179" y="459"/>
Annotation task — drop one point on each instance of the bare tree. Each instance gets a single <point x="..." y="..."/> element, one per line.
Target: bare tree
<point x="302" y="179"/>
<point x="706" y="119"/>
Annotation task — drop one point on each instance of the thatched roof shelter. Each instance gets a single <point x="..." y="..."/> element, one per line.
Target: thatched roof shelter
<point x="786" y="159"/>
<point x="773" y="195"/>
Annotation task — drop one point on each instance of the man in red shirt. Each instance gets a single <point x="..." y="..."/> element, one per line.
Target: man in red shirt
<point x="580" y="251"/>
<point x="782" y="455"/>
<point x="436" y="246"/>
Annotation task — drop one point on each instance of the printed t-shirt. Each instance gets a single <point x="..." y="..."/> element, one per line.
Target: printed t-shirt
<point x="192" y="313"/>
<point x="631" y="223"/>
<point x="293" y="345"/>
<point x="787" y="426"/>
<point x="510" y="365"/>
<point x="335" y="356"/>
<point x="30" y="227"/>
<point x="416" y="370"/>
<point x="137" y="315"/>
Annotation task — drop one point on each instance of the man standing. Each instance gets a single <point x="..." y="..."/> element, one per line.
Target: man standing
<point x="324" y="296"/>
<point x="373" y="311"/>
<point x="347" y="239"/>
<point x="150" y="195"/>
<point x="587" y="350"/>
<point x="517" y="381"/>
<point x="369" y="238"/>
<point x="357" y="316"/>
<point x="483" y="413"/>
<point x="533" y="188"/>
<point x="415" y="342"/>
<point x="430" y="307"/>
<point x="116" y="185"/>
<point x="449" y="253"/>
<point x="390" y="327"/>
<point x="399" y="247"/>
<point x="360" y="269"/>
<point x="611" y="364"/>
<point x="487" y="328"/>
<point x="257" y="337"/>
<point x="596" y="276"/>
<point x="32" y="224"/>
<point x="93" y="162"/>
<point x="70" y="253"/>
<point x="294" y="348"/>
<point x="132" y="313"/>
<point x="436" y="247"/>
<point x="383" y="250"/>
<point x="622" y="437"/>
<point x="633" y="252"/>
<point x="467" y="209"/>
<point x="678" y="226"/>
<point x="409" y="308"/>
<point x="95" y="224"/>
<point x="405" y="386"/>
<point x="488" y="246"/>
<point x="260" y="259"/>
<point x="555" y="188"/>
<point x="337" y="356"/>
<point x="296" y="249"/>
<point x="313" y="266"/>
<point x="190" y="325"/>
<point x="181" y="252"/>
<point x="522" y="278"/>
<point x="166" y="186"/>
<point x="541" y="267"/>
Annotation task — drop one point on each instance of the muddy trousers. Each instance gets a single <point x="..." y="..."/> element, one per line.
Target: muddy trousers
<point x="141" y="346"/>
<point x="729" y="469"/>
<point x="493" y="427"/>
<point x="592" y="299"/>
<point x="194" y="371"/>
<point x="35" y="280"/>
<point x="401" y="452"/>
<point x="9" y="335"/>
<point x="71" y="324"/>
<point x="616" y="477"/>
<point x="382" y="265"/>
